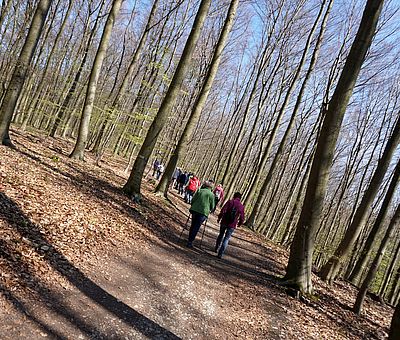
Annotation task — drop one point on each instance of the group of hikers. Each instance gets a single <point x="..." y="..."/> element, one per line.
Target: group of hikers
<point x="230" y="217"/>
<point x="204" y="199"/>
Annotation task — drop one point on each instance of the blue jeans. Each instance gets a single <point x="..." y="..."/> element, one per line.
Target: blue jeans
<point x="197" y="221"/>
<point x="223" y="230"/>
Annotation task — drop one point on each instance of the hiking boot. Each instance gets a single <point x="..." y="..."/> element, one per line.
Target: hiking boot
<point x="189" y="245"/>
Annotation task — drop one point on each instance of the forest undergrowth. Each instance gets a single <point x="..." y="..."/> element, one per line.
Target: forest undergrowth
<point x="79" y="259"/>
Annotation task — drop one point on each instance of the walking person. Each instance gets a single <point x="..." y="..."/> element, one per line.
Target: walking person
<point x="192" y="186"/>
<point x="160" y="171"/>
<point x="175" y="176"/>
<point x="231" y="217"/>
<point x="219" y="195"/>
<point x="202" y="204"/>
<point x="182" y="179"/>
<point x="156" y="164"/>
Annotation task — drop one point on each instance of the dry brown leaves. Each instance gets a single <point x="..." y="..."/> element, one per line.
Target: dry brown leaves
<point x="56" y="210"/>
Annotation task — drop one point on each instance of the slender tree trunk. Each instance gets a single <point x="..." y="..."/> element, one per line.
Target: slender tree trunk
<point x="132" y="186"/>
<point x="98" y="148"/>
<point x="72" y="89"/>
<point x="377" y="261"/>
<point x="256" y="208"/>
<point x="298" y="271"/>
<point x="395" y="325"/>
<point x="79" y="149"/>
<point x="42" y="82"/>
<point x="393" y="294"/>
<point x="377" y="227"/>
<point x="391" y="270"/>
<point x="18" y="78"/>
<point x="330" y="270"/>
<point x="180" y="148"/>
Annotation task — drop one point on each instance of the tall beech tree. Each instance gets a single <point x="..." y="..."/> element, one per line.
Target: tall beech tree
<point x="257" y="206"/>
<point x="298" y="271"/>
<point x="132" y="186"/>
<point x="14" y="88"/>
<point x="376" y="228"/>
<point x="80" y="145"/>
<point x="331" y="269"/>
<point x="377" y="261"/>
<point x="395" y="325"/>
<point x="97" y="148"/>
<point x="200" y="101"/>
<point x="73" y="87"/>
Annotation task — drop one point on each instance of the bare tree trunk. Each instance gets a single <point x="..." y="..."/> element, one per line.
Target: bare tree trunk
<point x="180" y="148"/>
<point x="18" y="78"/>
<point x="330" y="270"/>
<point x="298" y="271"/>
<point x="395" y="325"/>
<point x="72" y="89"/>
<point x="377" y="261"/>
<point x="364" y="255"/>
<point x="132" y="186"/>
<point x="79" y="149"/>
<point x="256" y="208"/>
<point x="98" y="148"/>
<point x="42" y="81"/>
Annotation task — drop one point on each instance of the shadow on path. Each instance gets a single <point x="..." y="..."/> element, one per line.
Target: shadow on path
<point x="11" y="214"/>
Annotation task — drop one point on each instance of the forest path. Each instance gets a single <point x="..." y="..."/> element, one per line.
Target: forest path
<point x="166" y="292"/>
<point x="79" y="260"/>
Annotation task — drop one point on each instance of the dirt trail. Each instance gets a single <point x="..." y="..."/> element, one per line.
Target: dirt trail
<point x="79" y="260"/>
<point x="167" y="292"/>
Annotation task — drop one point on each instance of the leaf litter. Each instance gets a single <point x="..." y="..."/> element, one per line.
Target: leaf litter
<point x="77" y="256"/>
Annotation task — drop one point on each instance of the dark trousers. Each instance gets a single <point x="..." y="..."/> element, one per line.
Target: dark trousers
<point x="216" y="203"/>
<point x="224" y="233"/>
<point x="197" y="221"/>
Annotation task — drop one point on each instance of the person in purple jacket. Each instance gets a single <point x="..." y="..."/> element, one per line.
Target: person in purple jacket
<point x="231" y="217"/>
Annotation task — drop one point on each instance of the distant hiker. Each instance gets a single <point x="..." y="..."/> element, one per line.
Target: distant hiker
<point x="231" y="216"/>
<point x="182" y="182"/>
<point x="160" y="171"/>
<point x="219" y="195"/>
<point x="175" y="176"/>
<point x="202" y="203"/>
<point x="156" y="164"/>
<point x="192" y="186"/>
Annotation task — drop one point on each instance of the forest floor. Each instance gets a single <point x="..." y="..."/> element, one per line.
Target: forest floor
<point x="79" y="260"/>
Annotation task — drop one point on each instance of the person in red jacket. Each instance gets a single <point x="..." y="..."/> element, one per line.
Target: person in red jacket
<point x="191" y="188"/>
<point x="231" y="217"/>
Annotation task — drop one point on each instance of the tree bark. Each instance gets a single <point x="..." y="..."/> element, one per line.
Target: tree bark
<point x="298" y="271"/>
<point x="330" y="270"/>
<point x="132" y="186"/>
<point x="20" y="71"/>
<point x="377" y="261"/>
<point x="395" y="325"/>
<point x="180" y="148"/>
<point x="364" y="255"/>
<point x="79" y="149"/>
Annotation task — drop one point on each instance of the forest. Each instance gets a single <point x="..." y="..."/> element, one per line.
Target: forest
<point x="293" y="103"/>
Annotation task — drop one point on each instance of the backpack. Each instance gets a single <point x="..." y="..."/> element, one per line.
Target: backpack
<point x="230" y="215"/>
<point x="193" y="184"/>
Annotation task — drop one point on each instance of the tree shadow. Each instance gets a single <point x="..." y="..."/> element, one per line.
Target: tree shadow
<point x="13" y="215"/>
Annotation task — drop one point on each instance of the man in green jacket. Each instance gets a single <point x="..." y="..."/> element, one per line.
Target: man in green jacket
<point x="203" y="203"/>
